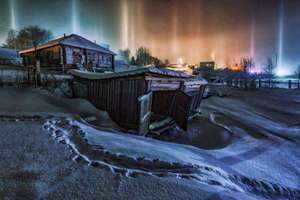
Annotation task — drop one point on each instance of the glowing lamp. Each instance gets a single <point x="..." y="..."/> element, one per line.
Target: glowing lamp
<point x="180" y="61"/>
<point x="256" y="70"/>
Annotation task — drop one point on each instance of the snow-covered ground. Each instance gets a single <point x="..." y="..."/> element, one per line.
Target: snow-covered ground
<point x="245" y="146"/>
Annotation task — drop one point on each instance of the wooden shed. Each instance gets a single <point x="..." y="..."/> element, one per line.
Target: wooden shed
<point x="130" y="97"/>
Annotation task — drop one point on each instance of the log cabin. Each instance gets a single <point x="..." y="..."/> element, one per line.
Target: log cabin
<point x="132" y="97"/>
<point x="72" y="51"/>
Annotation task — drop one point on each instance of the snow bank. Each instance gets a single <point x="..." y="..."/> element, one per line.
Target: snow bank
<point x="261" y="122"/>
<point x="133" y="156"/>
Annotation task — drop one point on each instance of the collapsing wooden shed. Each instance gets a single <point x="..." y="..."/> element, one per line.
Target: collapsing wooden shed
<point x="131" y="97"/>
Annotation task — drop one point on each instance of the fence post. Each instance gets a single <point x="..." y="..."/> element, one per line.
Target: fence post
<point x="290" y="84"/>
<point x="28" y="75"/>
<point x="246" y="84"/>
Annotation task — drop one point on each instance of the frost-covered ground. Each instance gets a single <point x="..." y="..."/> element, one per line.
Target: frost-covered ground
<point x="245" y="146"/>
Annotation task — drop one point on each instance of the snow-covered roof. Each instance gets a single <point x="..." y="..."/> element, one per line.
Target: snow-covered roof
<point x="142" y="70"/>
<point x="74" y="41"/>
<point x="6" y="53"/>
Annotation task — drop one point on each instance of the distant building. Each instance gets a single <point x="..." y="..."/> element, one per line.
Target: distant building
<point x="72" y="51"/>
<point x="211" y="64"/>
<point x="9" y="57"/>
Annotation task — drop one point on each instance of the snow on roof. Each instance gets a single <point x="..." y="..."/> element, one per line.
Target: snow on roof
<point x="142" y="70"/>
<point x="78" y="41"/>
<point x="74" y="41"/>
<point x="6" y="53"/>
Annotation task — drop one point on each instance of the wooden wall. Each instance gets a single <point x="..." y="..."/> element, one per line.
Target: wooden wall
<point x="119" y="97"/>
<point x="177" y="104"/>
<point x="49" y="57"/>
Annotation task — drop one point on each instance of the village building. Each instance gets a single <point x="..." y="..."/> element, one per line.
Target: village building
<point x="133" y="97"/>
<point x="9" y="57"/>
<point x="209" y="64"/>
<point x="72" y="51"/>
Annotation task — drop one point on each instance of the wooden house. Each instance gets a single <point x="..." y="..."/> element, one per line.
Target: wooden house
<point x="72" y="51"/>
<point x="131" y="97"/>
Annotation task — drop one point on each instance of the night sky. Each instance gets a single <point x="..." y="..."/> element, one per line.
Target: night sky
<point x="224" y="30"/>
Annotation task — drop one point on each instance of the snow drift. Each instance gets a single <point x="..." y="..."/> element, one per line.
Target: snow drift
<point x="132" y="156"/>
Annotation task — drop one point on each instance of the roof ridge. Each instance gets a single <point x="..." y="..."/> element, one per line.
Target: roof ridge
<point x="73" y="34"/>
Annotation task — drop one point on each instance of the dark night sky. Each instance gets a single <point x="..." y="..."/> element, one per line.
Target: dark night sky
<point x="192" y="29"/>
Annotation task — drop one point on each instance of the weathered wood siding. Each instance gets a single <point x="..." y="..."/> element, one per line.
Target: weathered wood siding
<point x="196" y="99"/>
<point x="177" y="104"/>
<point x="48" y="57"/>
<point x="119" y="97"/>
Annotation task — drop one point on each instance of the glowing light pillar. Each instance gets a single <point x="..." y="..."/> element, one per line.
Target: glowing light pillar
<point x="139" y="20"/>
<point x="252" y="37"/>
<point x="132" y="27"/>
<point x="13" y="14"/>
<point x="74" y="16"/>
<point x="125" y="24"/>
<point x="174" y="31"/>
<point x="280" y="35"/>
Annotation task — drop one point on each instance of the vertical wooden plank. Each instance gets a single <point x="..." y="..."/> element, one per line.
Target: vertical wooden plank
<point x="145" y="104"/>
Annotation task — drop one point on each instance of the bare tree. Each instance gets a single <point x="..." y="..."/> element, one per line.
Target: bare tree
<point x="27" y="37"/>
<point x="270" y="69"/>
<point x="246" y="65"/>
<point x="11" y="41"/>
<point x="125" y="55"/>
<point x="133" y="61"/>
<point x="166" y="62"/>
<point x="143" y="56"/>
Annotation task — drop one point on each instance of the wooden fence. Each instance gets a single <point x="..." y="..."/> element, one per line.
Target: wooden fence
<point x="258" y="83"/>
